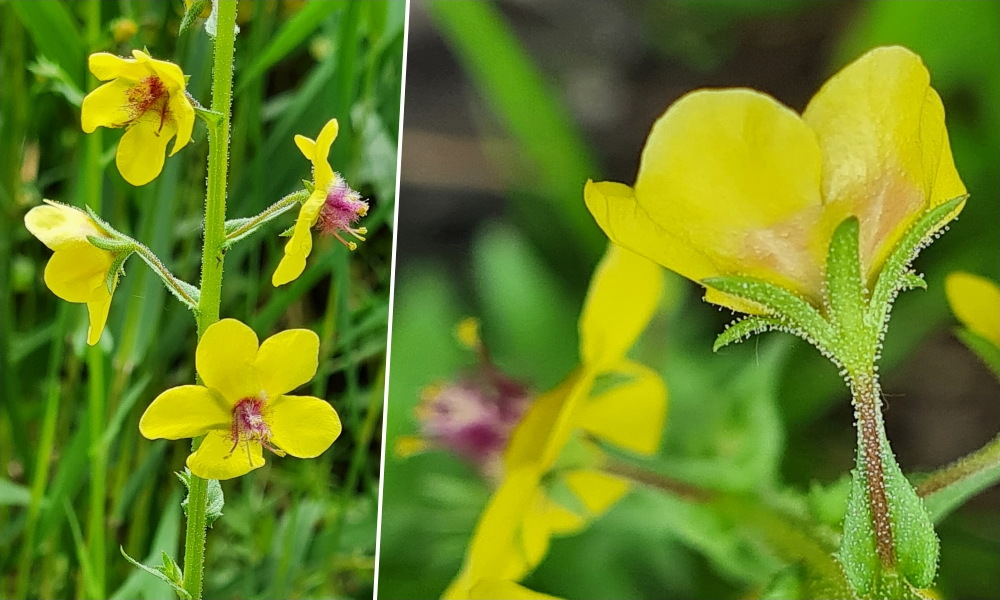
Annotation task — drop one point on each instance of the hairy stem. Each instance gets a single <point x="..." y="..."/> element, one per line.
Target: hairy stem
<point x="276" y="209"/>
<point x="987" y="457"/>
<point x="168" y="278"/>
<point x="867" y="400"/>
<point x="211" y="265"/>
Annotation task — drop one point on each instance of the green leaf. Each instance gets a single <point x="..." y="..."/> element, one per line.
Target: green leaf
<point x="799" y="316"/>
<point x="982" y="348"/>
<point x="215" y="500"/>
<point x="12" y="494"/>
<point x="55" y="33"/>
<point x="160" y="573"/>
<point x="744" y="328"/>
<point x="291" y="34"/>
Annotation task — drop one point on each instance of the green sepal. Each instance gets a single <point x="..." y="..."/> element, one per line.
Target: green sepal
<point x="191" y="15"/>
<point x="844" y="287"/>
<point x="746" y="327"/>
<point x="911" y="281"/>
<point x="310" y="187"/>
<point x="916" y="545"/>
<point x="118" y="246"/>
<point x="117" y="269"/>
<point x="288" y="232"/>
<point x="215" y="500"/>
<point x="893" y="276"/>
<point x="982" y="348"/>
<point x="168" y="572"/>
<point x="795" y="313"/>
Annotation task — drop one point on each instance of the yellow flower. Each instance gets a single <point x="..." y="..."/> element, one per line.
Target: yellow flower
<point x="513" y="533"/>
<point x="332" y="207"/>
<point x="78" y="271"/>
<point x="731" y="182"/>
<point x="976" y="302"/>
<point x="244" y="405"/>
<point x="147" y="97"/>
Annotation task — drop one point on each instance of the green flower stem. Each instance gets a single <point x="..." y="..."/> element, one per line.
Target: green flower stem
<point x="673" y="487"/>
<point x="278" y="208"/>
<point x="211" y="265"/>
<point x="175" y="285"/>
<point x="987" y="457"/>
<point x="867" y="400"/>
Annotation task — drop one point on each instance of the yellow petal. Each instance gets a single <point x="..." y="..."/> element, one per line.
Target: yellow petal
<point x="530" y="437"/>
<point x="536" y="531"/>
<point x="61" y="227"/>
<point x="183" y="113"/>
<point x="597" y="490"/>
<point x="225" y="360"/>
<point x="886" y="155"/>
<point x="624" y="293"/>
<point x="287" y="360"/>
<point x="728" y="184"/>
<point x="302" y="426"/>
<point x="216" y="458"/>
<point x="322" y="173"/>
<point x="630" y="415"/>
<point x="562" y="521"/>
<point x="409" y="445"/>
<point x="491" y="589"/>
<point x="186" y="411"/>
<point x="78" y="275"/>
<point x="98" y="309"/>
<point x="106" y="66"/>
<point x="307" y="146"/>
<point x="300" y="244"/>
<point x="976" y="303"/>
<point x="142" y="150"/>
<point x="171" y="75"/>
<point x="106" y="106"/>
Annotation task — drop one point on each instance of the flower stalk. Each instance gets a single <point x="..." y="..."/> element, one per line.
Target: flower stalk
<point x="212" y="265"/>
<point x="237" y="229"/>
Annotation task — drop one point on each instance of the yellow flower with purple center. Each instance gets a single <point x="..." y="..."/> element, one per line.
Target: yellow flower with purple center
<point x="244" y="405"/>
<point x="147" y="97"/>
<point x="608" y="398"/>
<point x="78" y="270"/>
<point x="332" y="207"/>
<point x="732" y="182"/>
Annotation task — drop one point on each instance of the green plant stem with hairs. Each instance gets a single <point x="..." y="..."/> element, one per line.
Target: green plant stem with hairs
<point x="213" y="258"/>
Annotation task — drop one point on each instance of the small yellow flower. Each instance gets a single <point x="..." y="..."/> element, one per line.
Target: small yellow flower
<point x="513" y="533"/>
<point x="244" y="405"/>
<point x="78" y="271"/>
<point x="731" y="182"/>
<point x="976" y="302"/>
<point x="332" y="207"/>
<point x="147" y="97"/>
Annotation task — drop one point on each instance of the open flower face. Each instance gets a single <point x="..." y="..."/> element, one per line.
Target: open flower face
<point x="244" y="406"/>
<point x="333" y="207"/>
<point x="78" y="271"/>
<point x="513" y="533"/>
<point x="147" y="97"/>
<point x="732" y="182"/>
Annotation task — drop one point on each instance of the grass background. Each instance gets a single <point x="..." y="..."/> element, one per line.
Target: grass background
<point x="293" y="529"/>
<point x="510" y="107"/>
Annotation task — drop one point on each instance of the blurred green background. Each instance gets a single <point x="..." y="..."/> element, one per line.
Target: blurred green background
<point x="510" y="107"/>
<point x="295" y="528"/>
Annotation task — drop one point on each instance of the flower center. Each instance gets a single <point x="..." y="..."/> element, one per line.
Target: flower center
<point x="249" y="425"/>
<point x="341" y="210"/>
<point x="149" y="95"/>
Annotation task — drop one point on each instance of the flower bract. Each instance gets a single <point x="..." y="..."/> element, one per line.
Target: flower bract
<point x="607" y="398"/>
<point x="78" y="271"/>
<point x="147" y="97"/>
<point x="244" y="405"/>
<point x="731" y="182"/>
<point x="333" y="207"/>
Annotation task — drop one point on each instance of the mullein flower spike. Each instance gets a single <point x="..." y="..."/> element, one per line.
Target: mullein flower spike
<point x="244" y="406"/>
<point x="147" y="97"/>
<point x="333" y="207"/>
<point x="78" y="271"/>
